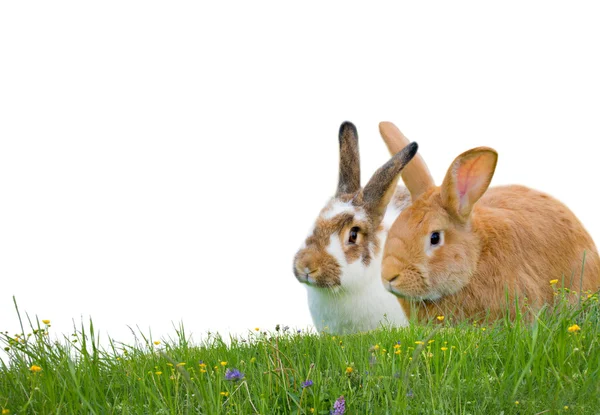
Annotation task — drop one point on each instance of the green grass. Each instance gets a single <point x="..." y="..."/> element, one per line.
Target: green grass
<point x="506" y="367"/>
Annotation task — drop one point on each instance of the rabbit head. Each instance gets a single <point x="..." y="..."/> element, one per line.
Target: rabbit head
<point x="431" y="250"/>
<point x="346" y="236"/>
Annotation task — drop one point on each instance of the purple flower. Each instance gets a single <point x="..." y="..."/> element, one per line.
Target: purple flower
<point x="307" y="384"/>
<point x="233" y="375"/>
<point x="339" y="407"/>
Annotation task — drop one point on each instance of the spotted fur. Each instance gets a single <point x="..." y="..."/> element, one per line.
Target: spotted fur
<point x="344" y="288"/>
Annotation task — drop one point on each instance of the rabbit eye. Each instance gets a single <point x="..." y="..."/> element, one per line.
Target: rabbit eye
<point x="435" y="238"/>
<point x="353" y="235"/>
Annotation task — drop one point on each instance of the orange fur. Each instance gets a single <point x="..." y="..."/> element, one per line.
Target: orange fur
<point x="509" y="240"/>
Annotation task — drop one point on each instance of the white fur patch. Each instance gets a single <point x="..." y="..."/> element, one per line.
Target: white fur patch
<point x="391" y="214"/>
<point x="338" y="207"/>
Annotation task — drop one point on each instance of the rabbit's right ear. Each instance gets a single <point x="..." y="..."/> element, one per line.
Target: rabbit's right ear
<point x="416" y="175"/>
<point x="467" y="179"/>
<point x="349" y="179"/>
<point x="381" y="187"/>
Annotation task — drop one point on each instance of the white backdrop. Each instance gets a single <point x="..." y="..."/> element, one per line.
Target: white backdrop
<point x="162" y="162"/>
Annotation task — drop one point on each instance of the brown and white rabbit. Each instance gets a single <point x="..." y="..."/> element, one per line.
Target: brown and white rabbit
<point x="340" y="261"/>
<point x="459" y="248"/>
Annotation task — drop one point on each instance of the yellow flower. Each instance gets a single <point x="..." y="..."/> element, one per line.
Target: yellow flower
<point x="440" y="318"/>
<point x="180" y="364"/>
<point x="223" y="363"/>
<point x="253" y="360"/>
<point x="553" y="282"/>
<point x="158" y="373"/>
<point x="419" y="342"/>
<point x="35" y="368"/>
<point x="157" y="342"/>
<point x="203" y="365"/>
<point x="46" y="322"/>
<point x="349" y="370"/>
<point x="398" y="351"/>
<point x="443" y="349"/>
<point x="376" y="347"/>
<point x="5" y="411"/>
<point x="430" y="341"/>
<point x="202" y="370"/>
<point x="516" y="402"/>
<point x="397" y="346"/>
<point x="257" y="329"/>
<point x="312" y="410"/>
<point x="574" y="328"/>
<point x="224" y="393"/>
<point x="566" y="408"/>
<point x="483" y="329"/>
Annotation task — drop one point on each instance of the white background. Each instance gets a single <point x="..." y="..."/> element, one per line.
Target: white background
<point x="162" y="162"/>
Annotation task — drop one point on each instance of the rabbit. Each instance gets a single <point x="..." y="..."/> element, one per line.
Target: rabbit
<point x="461" y="248"/>
<point x="340" y="260"/>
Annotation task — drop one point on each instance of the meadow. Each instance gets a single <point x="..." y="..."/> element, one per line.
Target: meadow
<point x="546" y="362"/>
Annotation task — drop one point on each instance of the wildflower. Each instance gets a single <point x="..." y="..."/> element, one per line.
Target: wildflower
<point x="307" y="384"/>
<point x="398" y="351"/>
<point x="574" y="328"/>
<point x="5" y="411"/>
<point x="253" y="360"/>
<point x="430" y="341"/>
<point x="419" y="342"/>
<point x="376" y="347"/>
<point x="339" y="407"/>
<point x="224" y="393"/>
<point x="180" y="364"/>
<point x="202" y="364"/>
<point x="223" y="363"/>
<point x="349" y="370"/>
<point x="46" y="322"/>
<point x="35" y="368"/>
<point x="158" y="373"/>
<point x="553" y="282"/>
<point x="256" y="329"/>
<point x="312" y="410"/>
<point x="483" y="329"/>
<point x="397" y="346"/>
<point x="440" y="318"/>
<point x="233" y="375"/>
<point x="443" y="349"/>
<point x="566" y="408"/>
<point x="157" y="342"/>
<point x="517" y="402"/>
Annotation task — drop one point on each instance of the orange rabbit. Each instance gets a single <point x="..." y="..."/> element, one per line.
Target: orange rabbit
<point x="461" y="247"/>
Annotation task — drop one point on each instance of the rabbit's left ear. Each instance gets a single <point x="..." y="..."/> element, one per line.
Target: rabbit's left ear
<point x="349" y="179"/>
<point x="467" y="179"/>
<point x="381" y="187"/>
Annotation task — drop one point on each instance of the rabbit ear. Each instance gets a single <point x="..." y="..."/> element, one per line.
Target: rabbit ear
<point x="467" y="180"/>
<point x="380" y="189"/>
<point x="416" y="175"/>
<point x="349" y="179"/>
